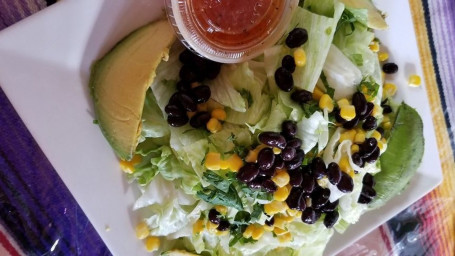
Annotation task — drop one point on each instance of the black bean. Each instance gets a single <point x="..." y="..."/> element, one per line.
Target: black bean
<point x="279" y="163"/>
<point x="284" y="79"/>
<point x="330" y="206"/>
<point x="265" y="160"/>
<point x="367" y="147"/>
<point x="212" y="70"/>
<point x="370" y="107"/>
<point x="293" y="200"/>
<point x="257" y="182"/>
<point x="188" y="74"/>
<point x="175" y="99"/>
<point x="294" y="143"/>
<point x="369" y="124"/>
<point x="364" y="200"/>
<point x="381" y="131"/>
<point x="267" y="172"/>
<point x="288" y="153"/>
<point x="346" y="184"/>
<point x="177" y="121"/>
<point x="301" y="96"/>
<point x="368" y="180"/>
<point x="186" y="57"/>
<point x="224" y="225"/>
<point x="247" y="173"/>
<point x="386" y="109"/>
<point x="320" y="197"/>
<point x="272" y="139"/>
<point x="295" y="177"/>
<point x="201" y="93"/>
<point x="187" y="102"/>
<point x="183" y="86"/>
<point x="318" y="168"/>
<point x="368" y="192"/>
<point x="214" y="216"/>
<point x="357" y="159"/>
<point x="200" y="119"/>
<point x="360" y="103"/>
<point x="270" y="221"/>
<point x="338" y="117"/>
<point x="334" y="173"/>
<point x="308" y="183"/>
<point x="289" y="128"/>
<point x="269" y="186"/>
<point x="296" y="162"/>
<point x="390" y="68"/>
<point x="297" y="37"/>
<point x="288" y="63"/>
<point x="174" y="110"/>
<point x="331" y="218"/>
<point x="310" y="215"/>
<point x="351" y="124"/>
<point x="373" y="156"/>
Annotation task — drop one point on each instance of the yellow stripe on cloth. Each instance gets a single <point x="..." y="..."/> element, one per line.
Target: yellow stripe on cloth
<point x="442" y="198"/>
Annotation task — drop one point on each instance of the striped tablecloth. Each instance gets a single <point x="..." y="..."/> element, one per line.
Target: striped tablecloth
<point x="37" y="220"/>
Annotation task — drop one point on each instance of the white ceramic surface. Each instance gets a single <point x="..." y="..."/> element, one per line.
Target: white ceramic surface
<point x="44" y="69"/>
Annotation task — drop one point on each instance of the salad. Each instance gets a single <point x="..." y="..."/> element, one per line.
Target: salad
<point x="265" y="157"/>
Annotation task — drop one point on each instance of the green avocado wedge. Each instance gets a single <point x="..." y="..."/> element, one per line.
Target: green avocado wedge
<point x="119" y="81"/>
<point x="402" y="157"/>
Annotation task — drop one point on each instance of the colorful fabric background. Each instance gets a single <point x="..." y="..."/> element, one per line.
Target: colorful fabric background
<point x="40" y="219"/>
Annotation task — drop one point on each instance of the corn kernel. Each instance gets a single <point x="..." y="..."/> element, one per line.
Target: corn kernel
<point x="234" y="163"/>
<point x="383" y="140"/>
<point x="257" y="232"/>
<point x="224" y="165"/>
<point x="326" y="102"/>
<point x="221" y="233"/>
<point x="221" y="209"/>
<point x="354" y="148"/>
<point x="142" y="230"/>
<point x="219" y="114"/>
<point x="292" y="212"/>
<point x="284" y="238"/>
<point x="376" y="110"/>
<point x="300" y="57"/>
<point x="374" y="46"/>
<point x="415" y="80"/>
<point x="347" y="112"/>
<point x="380" y="145"/>
<point x="279" y="231"/>
<point x="281" y="178"/>
<point x="376" y="135"/>
<point x="281" y="194"/>
<point x="343" y="102"/>
<point x="387" y="125"/>
<point x="287" y="218"/>
<point x="383" y="56"/>
<point x="279" y="222"/>
<point x="128" y="166"/>
<point x="213" y="125"/>
<point x="276" y="151"/>
<point x="347" y="135"/>
<point x="268" y="228"/>
<point x="152" y="243"/>
<point x="249" y="231"/>
<point x="190" y="114"/>
<point x="252" y="156"/>
<point x="317" y="93"/>
<point x="202" y="107"/>
<point x="213" y="161"/>
<point x="344" y="164"/>
<point x="275" y="207"/>
<point x="389" y="90"/>
<point x="386" y="119"/>
<point x="359" y="137"/>
<point x="198" y="226"/>
<point x="211" y="227"/>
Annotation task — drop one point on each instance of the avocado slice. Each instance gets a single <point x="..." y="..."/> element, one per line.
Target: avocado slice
<point x="403" y="155"/>
<point x="119" y="82"/>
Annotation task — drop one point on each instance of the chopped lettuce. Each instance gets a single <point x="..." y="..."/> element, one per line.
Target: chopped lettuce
<point x="314" y="130"/>
<point x="153" y="123"/>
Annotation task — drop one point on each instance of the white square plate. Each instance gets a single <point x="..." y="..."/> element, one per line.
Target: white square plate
<point x="44" y="69"/>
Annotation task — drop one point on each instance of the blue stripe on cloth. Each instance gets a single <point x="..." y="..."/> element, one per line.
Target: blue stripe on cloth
<point x="36" y="208"/>
<point x="436" y="72"/>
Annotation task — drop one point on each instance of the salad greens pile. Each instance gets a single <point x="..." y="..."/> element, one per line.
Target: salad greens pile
<point x="176" y="188"/>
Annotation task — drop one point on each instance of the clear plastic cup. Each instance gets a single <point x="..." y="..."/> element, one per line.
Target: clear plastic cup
<point x="230" y="31"/>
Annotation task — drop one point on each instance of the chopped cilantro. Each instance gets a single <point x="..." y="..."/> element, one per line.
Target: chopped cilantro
<point x="329" y="90"/>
